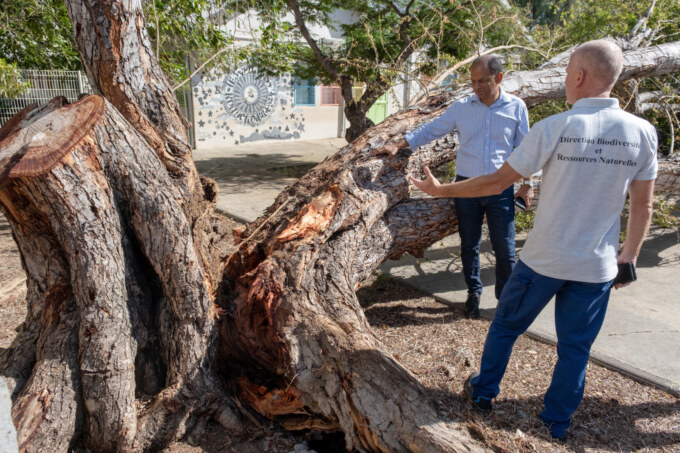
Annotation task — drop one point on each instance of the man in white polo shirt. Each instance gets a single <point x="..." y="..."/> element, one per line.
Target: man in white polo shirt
<point x="591" y="157"/>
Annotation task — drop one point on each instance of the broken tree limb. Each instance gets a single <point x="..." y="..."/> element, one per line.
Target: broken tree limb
<point x="292" y="305"/>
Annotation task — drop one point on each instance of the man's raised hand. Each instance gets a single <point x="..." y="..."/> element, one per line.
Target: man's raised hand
<point x="391" y="149"/>
<point x="430" y="185"/>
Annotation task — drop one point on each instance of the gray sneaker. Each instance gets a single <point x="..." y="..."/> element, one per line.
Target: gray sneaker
<point x="482" y="404"/>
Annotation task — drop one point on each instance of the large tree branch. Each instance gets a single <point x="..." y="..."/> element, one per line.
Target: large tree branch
<point x="318" y="54"/>
<point x="636" y="36"/>
<point x="547" y="82"/>
<point x="542" y="85"/>
<point x="436" y="82"/>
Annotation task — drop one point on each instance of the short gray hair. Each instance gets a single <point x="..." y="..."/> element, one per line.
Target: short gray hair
<point x="493" y="63"/>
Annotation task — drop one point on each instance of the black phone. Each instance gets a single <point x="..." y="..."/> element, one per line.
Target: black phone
<point x="520" y="203"/>
<point x="626" y="273"/>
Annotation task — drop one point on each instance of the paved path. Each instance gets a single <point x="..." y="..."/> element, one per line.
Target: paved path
<point x="251" y="175"/>
<point x="8" y="434"/>
<point x="641" y="333"/>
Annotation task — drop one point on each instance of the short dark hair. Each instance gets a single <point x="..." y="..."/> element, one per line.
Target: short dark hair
<point x="493" y="63"/>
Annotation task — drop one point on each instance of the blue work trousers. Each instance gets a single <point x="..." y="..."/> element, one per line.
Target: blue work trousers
<point x="500" y="217"/>
<point x="579" y="312"/>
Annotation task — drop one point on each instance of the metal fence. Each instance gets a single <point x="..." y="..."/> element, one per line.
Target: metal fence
<point x="185" y="99"/>
<point x="45" y="85"/>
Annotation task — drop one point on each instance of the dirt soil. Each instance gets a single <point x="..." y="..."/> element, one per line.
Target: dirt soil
<point x="438" y="345"/>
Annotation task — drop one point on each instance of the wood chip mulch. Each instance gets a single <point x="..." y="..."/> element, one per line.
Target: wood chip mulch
<point x="441" y="347"/>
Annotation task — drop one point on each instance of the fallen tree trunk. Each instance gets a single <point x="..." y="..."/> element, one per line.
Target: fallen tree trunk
<point x="134" y="315"/>
<point x="106" y="222"/>
<point x="293" y="309"/>
<point x="547" y="81"/>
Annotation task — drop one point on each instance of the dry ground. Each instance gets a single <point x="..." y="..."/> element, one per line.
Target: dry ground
<point x="441" y="347"/>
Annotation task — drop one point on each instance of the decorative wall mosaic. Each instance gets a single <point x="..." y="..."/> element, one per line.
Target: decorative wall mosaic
<point x="249" y="98"/>
<point x="244" y="106"/>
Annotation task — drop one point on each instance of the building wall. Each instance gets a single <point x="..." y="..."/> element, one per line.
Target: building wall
<point x="242" y="107"/>
<point x="226" y="114"/>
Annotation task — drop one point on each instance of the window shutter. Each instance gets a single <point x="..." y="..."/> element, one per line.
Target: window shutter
<point x="330" y="95"/>
<point x="305" y="92"/>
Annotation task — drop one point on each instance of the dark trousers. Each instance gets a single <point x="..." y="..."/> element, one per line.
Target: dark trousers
<point x="579" y="312"/>
<point x="500" y="217"/>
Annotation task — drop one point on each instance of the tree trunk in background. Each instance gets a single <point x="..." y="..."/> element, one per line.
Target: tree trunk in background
<point x="547" y="81"/>
<point x="125" y="259"/>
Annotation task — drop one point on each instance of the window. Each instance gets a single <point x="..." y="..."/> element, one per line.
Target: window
<point x="305" y="92"/>
<point x="330" y="95"/>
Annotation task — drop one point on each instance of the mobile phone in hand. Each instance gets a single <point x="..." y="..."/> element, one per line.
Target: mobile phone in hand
<point x="520" y="203"/>
<point x="626" y="273"/>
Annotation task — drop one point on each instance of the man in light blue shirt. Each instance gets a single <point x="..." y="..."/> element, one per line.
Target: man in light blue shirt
<point x="490" y="124"/>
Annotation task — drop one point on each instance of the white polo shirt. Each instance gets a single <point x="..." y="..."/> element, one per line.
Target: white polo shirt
<point x="589" y="156"/>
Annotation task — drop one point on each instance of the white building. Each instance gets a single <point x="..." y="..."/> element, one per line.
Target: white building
<point x="243" y="106"/>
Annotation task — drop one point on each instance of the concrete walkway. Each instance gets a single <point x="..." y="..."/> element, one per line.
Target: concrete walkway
<point x="641" y="332"/>
<point x="251" y="175"/>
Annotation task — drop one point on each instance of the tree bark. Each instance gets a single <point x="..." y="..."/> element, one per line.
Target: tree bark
<point x="293" y="305"/>
<point x="537" y="86"/>
<point x="118" y="59"/>
<point x="124" y="258"/>
<point x="131" y="281"/>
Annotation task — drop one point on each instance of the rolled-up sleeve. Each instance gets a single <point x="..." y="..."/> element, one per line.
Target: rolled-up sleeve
<point x="649" y="143"/>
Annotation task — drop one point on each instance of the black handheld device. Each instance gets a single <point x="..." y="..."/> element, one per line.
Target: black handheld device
<point x="626" y="273"/>
<point x="520" y="203"/>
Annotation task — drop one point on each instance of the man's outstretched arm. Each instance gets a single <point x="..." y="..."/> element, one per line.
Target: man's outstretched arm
<point x="480" y="186"/>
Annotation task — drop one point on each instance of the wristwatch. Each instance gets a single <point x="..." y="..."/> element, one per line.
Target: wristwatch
<point x="530" y="182"/>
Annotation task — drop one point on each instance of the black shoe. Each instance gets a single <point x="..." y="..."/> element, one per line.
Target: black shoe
<point x="483" y="405"/>
<point x="472" y="306"/>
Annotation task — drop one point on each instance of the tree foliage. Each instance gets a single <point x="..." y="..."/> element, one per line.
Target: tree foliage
<point x="37" y="34"/>
<point x="11" y="82"/>
<point x="185" y="33"/>
<point x="383" y="42"/>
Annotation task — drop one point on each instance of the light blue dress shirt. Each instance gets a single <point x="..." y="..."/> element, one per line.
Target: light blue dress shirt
<point x="487" y="135"/>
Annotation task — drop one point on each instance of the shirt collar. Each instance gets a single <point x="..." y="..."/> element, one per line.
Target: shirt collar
<point x="602" y="103"/>
<point x="503" y="98"/>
